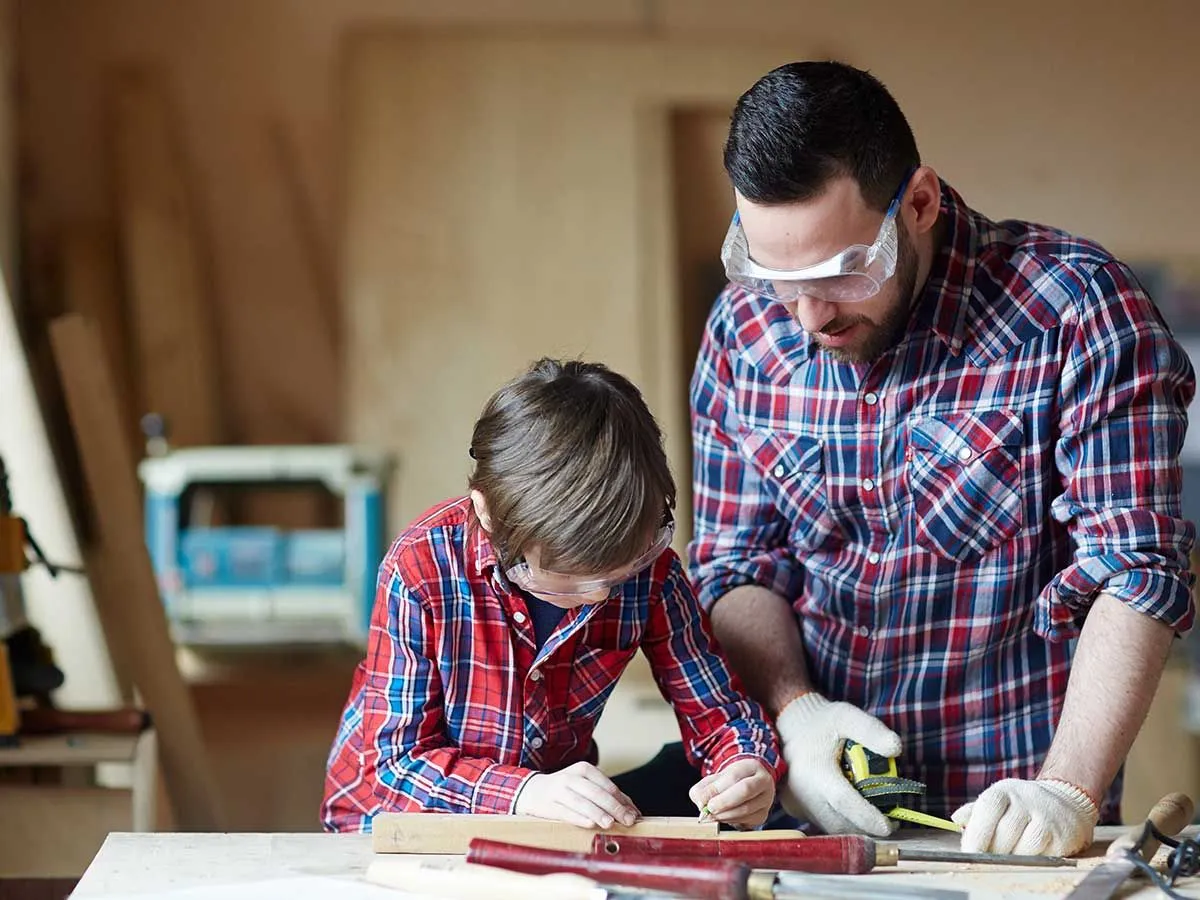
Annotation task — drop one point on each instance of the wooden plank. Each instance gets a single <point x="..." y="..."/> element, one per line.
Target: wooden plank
<point x="70" y="750"/>
<point x="92" y="287"/>
<point x="171" y="317"/>
<point x="450" y="832"/>
<point x="109" y="469"/>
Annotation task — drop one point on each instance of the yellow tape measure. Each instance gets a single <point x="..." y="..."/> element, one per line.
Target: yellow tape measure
<point x="877" y="779"/>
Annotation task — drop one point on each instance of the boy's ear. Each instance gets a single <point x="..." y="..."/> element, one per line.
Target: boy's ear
<point x="481" y="510"/>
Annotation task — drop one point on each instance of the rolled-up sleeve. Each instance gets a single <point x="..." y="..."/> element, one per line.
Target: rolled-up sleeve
<point x="1123" y="395"/>
<point x="739" y="537"/>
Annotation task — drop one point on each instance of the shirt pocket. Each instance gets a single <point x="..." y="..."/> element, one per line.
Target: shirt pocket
<point x="791" y="469"/>
<point x="964" y="472"/>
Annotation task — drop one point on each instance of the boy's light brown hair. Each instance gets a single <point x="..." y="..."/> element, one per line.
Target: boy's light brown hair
<point x="570" y="460"/>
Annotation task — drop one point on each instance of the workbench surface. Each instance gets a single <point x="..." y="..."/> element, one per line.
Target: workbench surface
<point x="298" y="866"/>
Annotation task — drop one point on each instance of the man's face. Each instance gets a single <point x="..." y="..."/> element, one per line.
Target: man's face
<point x="796" y="235"/>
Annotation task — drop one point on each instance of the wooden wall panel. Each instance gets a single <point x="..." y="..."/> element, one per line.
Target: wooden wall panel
<point x="501" y="205"/>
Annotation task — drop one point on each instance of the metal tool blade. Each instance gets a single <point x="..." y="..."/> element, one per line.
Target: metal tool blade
<point x="998" y="859"/>
<point x="855" y="887"/>
<point x="1104" y="880"/>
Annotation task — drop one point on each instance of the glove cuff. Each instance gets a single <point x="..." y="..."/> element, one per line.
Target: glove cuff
<point x="1074" y="795"/>
<point x="794" y="714"/>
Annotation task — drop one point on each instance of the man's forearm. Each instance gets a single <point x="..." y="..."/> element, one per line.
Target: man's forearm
<point x="759" y="633"/>
<point x="1115" y="673"/>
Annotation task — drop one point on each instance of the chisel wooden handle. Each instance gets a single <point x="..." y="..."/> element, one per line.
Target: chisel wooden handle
<point x="841" y="855"/>
<point x="456" y="880"/>
<point x="1170" y="815"/>
<point x="703" y="879"/>
<point x="128" y="720"/>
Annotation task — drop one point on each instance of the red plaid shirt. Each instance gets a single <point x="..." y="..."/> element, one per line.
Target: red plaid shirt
<point x="942" y="519"/>
<point x="452" y="709"/>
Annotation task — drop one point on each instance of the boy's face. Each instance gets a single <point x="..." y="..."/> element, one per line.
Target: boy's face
<point x="571" y="601"/>
<point x="572" y="590"/>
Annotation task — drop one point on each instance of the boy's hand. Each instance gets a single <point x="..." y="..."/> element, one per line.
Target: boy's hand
<point x="740" y="794"/>
<point x="580" y="795"/>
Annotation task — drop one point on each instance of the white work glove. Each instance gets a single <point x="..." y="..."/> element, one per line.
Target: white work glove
<point x="1051" y="818"/>
<point x="580" y="795"/>
<point x="814" y="731"/>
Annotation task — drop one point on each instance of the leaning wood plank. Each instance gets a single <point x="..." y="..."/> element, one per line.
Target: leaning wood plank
<point x="451" y="832"/>
<point x="173" y="329"/>
<point x="132" y="605"/>
<point x="91" y="287"/>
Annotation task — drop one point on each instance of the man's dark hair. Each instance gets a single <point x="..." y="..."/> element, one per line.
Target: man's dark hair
<point x="570" y="460"/>
<point x="805" y="123"/>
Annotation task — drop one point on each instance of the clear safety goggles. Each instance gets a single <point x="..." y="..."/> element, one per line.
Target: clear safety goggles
<point x="857" y="273"/>
<point x="557" y="584"/>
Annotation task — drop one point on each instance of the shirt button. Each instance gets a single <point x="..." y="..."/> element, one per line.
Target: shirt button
<point x="536" y="743"/>
<point x="519" y="618"/>
<point x="864" y="631"/>
<point x="535" y="675"/>
<point x="868" y="484"/>
<point x="964" y="453"/>
<point x="870" y="398"/>
<point x="873" y="559"/>
<point x="779" y="470"/>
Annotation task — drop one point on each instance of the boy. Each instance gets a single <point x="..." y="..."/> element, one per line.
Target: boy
<point x="505" y="618"/>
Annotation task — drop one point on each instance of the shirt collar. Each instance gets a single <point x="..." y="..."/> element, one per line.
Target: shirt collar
<point x="945" y="299"/>
<point x="482" y="550"/>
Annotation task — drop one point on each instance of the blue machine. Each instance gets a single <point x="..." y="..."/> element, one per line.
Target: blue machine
<point x="230" y="585"/>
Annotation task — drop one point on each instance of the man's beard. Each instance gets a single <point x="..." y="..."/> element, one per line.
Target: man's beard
<point x="882" y="336"/>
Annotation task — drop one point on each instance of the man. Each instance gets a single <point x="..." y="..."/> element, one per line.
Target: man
<point x="937" y="499"/>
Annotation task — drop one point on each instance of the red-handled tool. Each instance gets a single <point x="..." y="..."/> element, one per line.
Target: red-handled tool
<point x="703" y="879"/>
<point x="834" y="855"/>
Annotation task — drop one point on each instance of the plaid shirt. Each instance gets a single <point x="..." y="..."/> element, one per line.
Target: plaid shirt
<point x="942" y="519"/>
<point x="452" y="709"/>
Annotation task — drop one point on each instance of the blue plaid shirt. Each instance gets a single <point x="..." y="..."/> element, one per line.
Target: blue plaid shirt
<point x="942" y="519"/>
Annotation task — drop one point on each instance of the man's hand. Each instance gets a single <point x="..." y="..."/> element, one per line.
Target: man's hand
<point x="740" y="794"/>
<point x="813" y="732"/>
<point x="580" y="795"/>
<point x="1051" y="818"/>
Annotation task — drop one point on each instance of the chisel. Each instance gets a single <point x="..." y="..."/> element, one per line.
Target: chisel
<point x="1169" y="816"/>
<point x="700" y="879"/>
<point x="704" y="879"/>
<point x="836" y="855"/>
<point x="452" y="879"/>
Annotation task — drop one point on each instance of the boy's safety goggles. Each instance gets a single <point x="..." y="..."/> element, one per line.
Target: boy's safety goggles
<point x="857" y="273"/>
<point x="558" y="584"/>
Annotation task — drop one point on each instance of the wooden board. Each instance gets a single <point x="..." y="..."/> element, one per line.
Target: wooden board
<point x="450" y="832"/>
<point x="130" y="601"/>
<point x="171" y="318"/>
<point x="92" y="288"/>
<point x="70" y="750"/>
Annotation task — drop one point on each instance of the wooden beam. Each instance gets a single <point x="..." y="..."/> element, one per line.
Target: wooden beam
<point x="451" y="832"/>
<point x="171" y="313"/>
<point x="92" y="288"/>
<point x="131" y="603"/>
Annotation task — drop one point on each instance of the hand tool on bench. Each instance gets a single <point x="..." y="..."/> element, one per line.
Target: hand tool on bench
<point x="833" y="855"/>
<point x="452" y="879"/>
<point x="704" y="879"/>
<point x="49" y="720"/>
<point x="701" y="879"/>
<point x="1169" y="816"/>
